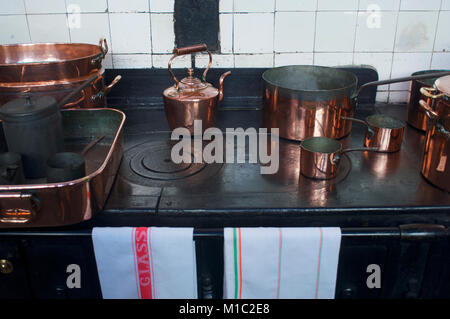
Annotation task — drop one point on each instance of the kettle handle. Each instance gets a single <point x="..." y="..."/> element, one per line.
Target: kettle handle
<point x="188" y="50"/>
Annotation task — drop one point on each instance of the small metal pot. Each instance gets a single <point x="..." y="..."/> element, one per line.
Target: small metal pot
<point x="65" y="166"/>
<point x="11" y="169"/>
<point x="416" y="115"/>
<point x="320" y="157"/>
<point x="383" y="132"/>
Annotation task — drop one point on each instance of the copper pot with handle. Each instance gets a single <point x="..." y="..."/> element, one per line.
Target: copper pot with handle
<point x="436" y="155"/>
<point x="36" y="62"/>
<point x="307" y="100"/>
<point x="191" y="98"/>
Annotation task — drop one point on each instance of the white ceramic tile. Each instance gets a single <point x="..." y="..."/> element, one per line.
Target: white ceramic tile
<point x="226" y="33"/>
<point x="108" y="63"/>
<point x="296" y="5"/>
<point x="130" y="32"/>
<point x="398" y="96"/>
<point x="254" y="6"/>
<point x="443" y="32"/>
<point x="98" y="6"/>
<point x="337" y="5"/>
<point x="297" y="23"/>
<point x="163" y="36"/>
<point x="162" y="5"/>
<point x="420" y="5"/>
<point x="253" y="33"/>
<point x="382" y="96"/>
<point x="415" y="31"/>
<point x="333" y="59"/>
<point x="132" y="61"/>
<point x="445" y="5"/>
<point x="162" y="60"/>
<point x="93" y="26"/>
<point x="14" y="29"/>
<point x="45" y="6"/>
<point x="373" y="5"/>
<point x="335" y="31"/>
<point x="128" y="5"/>
<point x="225" y="5"/>
<point x="218" y="60"/>
<point x="440" y="60"/>
<point x="48" y="28"/>
<point x="375" y="33"/>
<point x="12" y="7"/>
<point x="382" y="62"/>
<point x="253" y="60"/>
<point x="404" y="64"/>
<point x="294" y="59"/>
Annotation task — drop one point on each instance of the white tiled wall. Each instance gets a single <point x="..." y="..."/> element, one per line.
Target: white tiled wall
<point x="397" y="37"/>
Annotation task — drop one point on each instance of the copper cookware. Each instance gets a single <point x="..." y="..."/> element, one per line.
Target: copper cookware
<point x="64" y="203"/>
<point x="192" y="99"/>
<point x="305" y="101"/>
<point x="92" y="96"/>
<point x="416" y="115"/>
<point x="50" y="61"/>
<point x="383" y="132"/>
<point x="320" y="157"/>
<point x="436" y="161"/>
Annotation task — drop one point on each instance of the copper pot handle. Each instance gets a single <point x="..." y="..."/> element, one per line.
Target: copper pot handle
<point x="428" y="110"/>
<point x="337" y="157"/>
<point x="188" y="50"/>
<point x="369" y="129"/>
<point x="29" y="206"/>
<point x="72" y="104"/>
<point x="104" y="50"/>
<point x="106" y="90"/>
<point x="427" y="92"/>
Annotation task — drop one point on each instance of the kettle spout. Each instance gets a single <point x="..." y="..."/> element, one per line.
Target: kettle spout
<point x="221" y="85"/>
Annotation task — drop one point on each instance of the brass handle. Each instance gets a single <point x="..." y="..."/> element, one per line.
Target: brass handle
<point x="6" y="267"/>
<point x="186" y="50"/>
<point x="427" y="108"/>
<point x="106" y="90"/>
<point x="427" y="92"/>
<point x="18" y="208"/>
<point x="104" y="50"/>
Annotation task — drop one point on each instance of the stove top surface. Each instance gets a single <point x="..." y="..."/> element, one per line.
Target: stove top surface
<point x="149" y="181"/>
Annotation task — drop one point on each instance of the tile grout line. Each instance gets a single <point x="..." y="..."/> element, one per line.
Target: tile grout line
<point x="315" y="34"/>
<point x="435" y="35"/>
<point x="110" y="35"/>
<point x="393" y="51"/>
<point x="151" y="33"/>
<point x="26" y="18"/>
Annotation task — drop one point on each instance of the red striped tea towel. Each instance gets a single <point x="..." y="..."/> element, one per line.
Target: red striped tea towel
<point x="285" y="263"/>
<point x="145" y="262"/>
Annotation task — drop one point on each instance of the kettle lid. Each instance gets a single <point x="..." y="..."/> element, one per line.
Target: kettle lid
<point x="191" y="83"/>
<point x="28" y="108"/>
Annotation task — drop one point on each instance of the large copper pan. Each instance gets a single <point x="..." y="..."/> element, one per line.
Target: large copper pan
<point x="416" y="115"/>
<point x="92" y="96"/>
<point x="50" y="61"/>
<point x="436" y="156"/>
<point x="305" y="101"/>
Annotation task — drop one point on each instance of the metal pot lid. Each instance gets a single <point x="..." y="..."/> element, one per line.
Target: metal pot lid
<point x="28" y="108"/>
<point x="443" y="85"/>
<point x="191" y="88"/>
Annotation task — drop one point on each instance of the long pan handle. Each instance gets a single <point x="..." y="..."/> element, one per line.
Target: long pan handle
<point x="77" y="90"/>
<point x="403" y="79"/>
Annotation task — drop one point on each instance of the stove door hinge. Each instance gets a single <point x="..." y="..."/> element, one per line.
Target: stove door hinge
<point x="423" y="232"/>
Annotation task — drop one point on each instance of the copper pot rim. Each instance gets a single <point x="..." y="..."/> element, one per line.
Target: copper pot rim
<point x="317" y="67"/>
<point x="382" y="121"/>
<point x="331" y="146"/>
<point x="85" y="178"/>
<point x="50" y="44"/>
<point x="432" y="80"/>
<point x="69" y="82"/>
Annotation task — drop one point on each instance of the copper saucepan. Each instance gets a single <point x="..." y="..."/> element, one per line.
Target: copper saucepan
<point x="383" y="132"/>
<point x="304" y="101"/>
<point x="320" y="157"/>
<point x="436" y="155"/>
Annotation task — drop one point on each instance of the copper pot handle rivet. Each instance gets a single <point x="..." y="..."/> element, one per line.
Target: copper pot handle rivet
<point x="6" y="267"/>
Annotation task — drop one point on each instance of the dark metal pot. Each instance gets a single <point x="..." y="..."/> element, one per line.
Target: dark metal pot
<point x="305" y="101"/>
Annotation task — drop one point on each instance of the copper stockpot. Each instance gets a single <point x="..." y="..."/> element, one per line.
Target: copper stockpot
<point x="383" y="132"/>
<point x="36" y="62"/>
<point x="92" y="96"/>
<point x="192" y="99"/>
<point x="435" y="162"/>
<point x="416" y="115"/>
<point x="320" y="157"/>
<point x="305" y="101"/>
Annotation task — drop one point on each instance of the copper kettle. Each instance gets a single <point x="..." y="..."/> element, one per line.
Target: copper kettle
<point x="191" y="98"/>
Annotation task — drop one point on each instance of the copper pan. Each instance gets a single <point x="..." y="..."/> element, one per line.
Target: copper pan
<point x="320" y="157"/>
<point x="92" y="96"/>
<point x="304" y="101"/>
<point x="50" y="61"/>
<point x="436" y="155"/>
